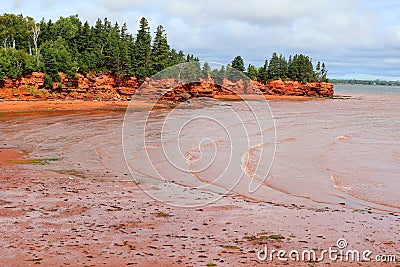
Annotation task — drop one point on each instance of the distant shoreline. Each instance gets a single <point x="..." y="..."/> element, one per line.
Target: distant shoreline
<point x="364" y="82"/>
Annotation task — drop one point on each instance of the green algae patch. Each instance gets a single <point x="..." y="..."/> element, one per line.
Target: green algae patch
<point x="35" y="161"/>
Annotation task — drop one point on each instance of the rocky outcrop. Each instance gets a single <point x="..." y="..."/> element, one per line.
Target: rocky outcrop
<point x="110" y="87"/>
<point x="90" y="87"/>
<point x="294" y="88"/>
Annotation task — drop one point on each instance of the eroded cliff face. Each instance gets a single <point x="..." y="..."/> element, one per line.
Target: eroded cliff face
<point x="110" y="87"/>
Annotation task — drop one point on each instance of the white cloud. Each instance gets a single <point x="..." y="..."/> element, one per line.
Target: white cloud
<point x="362" y="35"/>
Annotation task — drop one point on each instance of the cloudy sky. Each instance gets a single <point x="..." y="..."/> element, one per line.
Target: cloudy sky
<point x="355" y="38"/>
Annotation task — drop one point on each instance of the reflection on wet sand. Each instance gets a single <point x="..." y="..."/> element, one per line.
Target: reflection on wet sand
<point x="334" y="151"/>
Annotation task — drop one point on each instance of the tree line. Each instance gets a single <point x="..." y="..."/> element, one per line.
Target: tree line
<point x="297" y="68"/>
<point x="71" y="46"/>
<point x="365" y="82"/>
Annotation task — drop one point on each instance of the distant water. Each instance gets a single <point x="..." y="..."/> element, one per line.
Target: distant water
<point x="375" y="89"/>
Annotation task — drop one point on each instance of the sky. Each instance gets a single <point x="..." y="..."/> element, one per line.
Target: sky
<point x="357" y="39"/>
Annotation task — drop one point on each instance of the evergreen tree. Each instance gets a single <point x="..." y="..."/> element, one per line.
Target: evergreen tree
<point x="292" y="68"/>
<point x="142" y="50"/>
<point x="160" y="53"/>
<point x="318" y="71"/>
<point x="206" y="69"/>
<point x="192" y="70"/>
<point x="219" y="75"/>
<point x="125" y="46"/>
<point x="57" y="58"/>
<point x="283" y="67"/>
<point x="174" y="58"/>
<point x="301" y="69"/>
<point x="274" y="67"/>
<point x="181" y="56"/>
<point x="113" y="50"/>
<point x="252" y="72"/>
<point x="238" y="64"/>
<point x="324" y="72"/>
<point x="263" y="72"/>
<point x="95" y="56"/>
<point x="68" y="29"/>
<point x="235" y="69"/>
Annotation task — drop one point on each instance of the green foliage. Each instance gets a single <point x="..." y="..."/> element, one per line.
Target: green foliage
<point x="219" y="75"/>
<point x="365" y="82"/>
<point x="14" y="63"/>
<point x="235" y="69"/>
<point x="191" y="71"/>
<point x="32" y="90"/>
<point x="142" y="49"/>
<point x="69" y="45"/>
<point x="39" y="161"/>
<point x="230" y="247"/>
<point x="57" y="58"/>
<point x="301" y="69"/>
<point x="238" y="63"/>
<point x="206" y="69"/>
<point x="160" y="52"/>
<point x="252" y="72"/>
<point x="48" y="81"/>
<point x="275" y="237"/>
<point x="262" y="74"/>
<point x="14" y="31"/>
<point x="274" y="67"/>
<point x="297" y="68"/>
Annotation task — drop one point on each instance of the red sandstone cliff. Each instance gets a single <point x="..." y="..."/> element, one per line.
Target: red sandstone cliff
<point x="106" y="87"/>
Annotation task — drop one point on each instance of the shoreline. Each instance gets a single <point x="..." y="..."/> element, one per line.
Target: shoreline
<point x="33" y="106"/>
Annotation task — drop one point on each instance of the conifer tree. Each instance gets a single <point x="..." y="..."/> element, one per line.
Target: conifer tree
<point x="324" y="73"/>
<point x="274" y="67"/>
<point x="206" y="69"/>
<point x="262" y="75"/>
<point x="142" y="51"/>
<point x="318" y="71"/>
<point x="238" y="64"/>
<point x="252" y="72"/>
<point x="160" y="53"/>
<point x="283" y="67"/>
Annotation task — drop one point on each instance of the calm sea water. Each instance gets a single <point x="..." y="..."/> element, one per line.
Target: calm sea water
<point x="342" y="88"/>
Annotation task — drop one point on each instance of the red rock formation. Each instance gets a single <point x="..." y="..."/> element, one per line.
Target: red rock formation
<point x="110" y="87"/>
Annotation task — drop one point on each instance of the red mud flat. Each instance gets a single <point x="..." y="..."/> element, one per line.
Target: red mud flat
<point x="51" y="219"/>
<point x="60" y="105"/>
<point x="54" y="219"/>
<point x="81" y="105"/>
<point x="8" y="155"/>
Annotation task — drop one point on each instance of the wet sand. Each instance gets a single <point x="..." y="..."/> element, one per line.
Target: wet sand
<point x="53" y="219"/>
<point x="84" y="209"/>
<point x="60" y="105"/>
<point x="16" y="106"/>
<point x="8" y="155"/>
